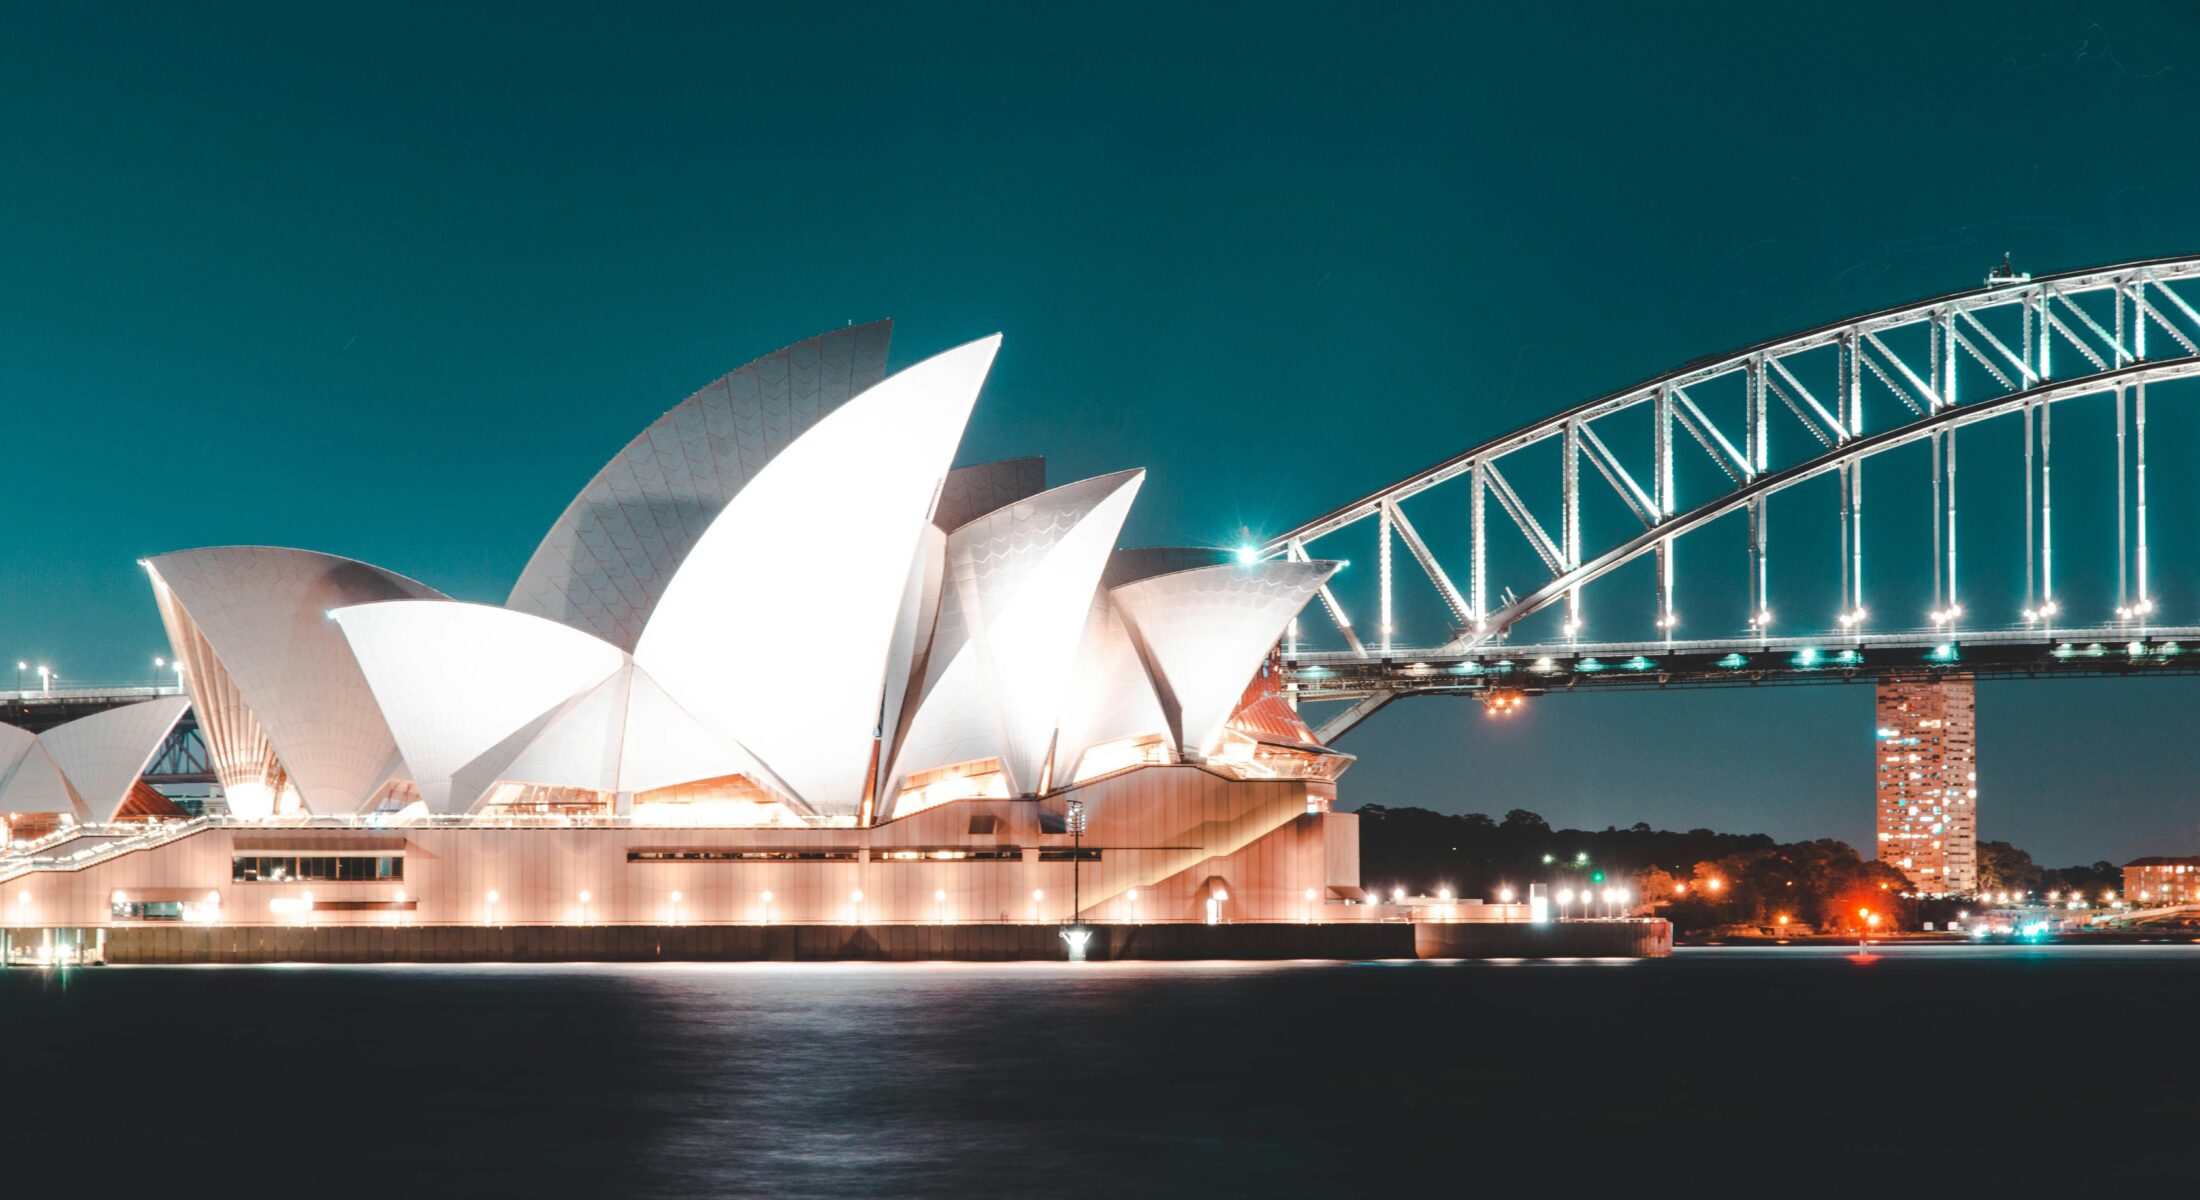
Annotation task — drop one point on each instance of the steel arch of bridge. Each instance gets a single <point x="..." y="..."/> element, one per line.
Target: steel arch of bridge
<point x="2064" y="336"/>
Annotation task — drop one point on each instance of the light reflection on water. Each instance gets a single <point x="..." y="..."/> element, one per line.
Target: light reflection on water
<point x="1106" y="1079"/>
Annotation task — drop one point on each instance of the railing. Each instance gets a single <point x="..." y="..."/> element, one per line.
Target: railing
<point x="116" y="840"/>
<point x="93" y="691"/>
<point x="1898" y="639"/>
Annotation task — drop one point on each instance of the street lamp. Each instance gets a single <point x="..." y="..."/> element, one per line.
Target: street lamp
<point x="1074" y="817"/>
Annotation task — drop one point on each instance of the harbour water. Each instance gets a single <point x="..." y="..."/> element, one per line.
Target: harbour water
<point x="1717" y="1071"/>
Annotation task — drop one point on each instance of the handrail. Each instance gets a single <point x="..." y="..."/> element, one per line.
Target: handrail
<point x="92" y="691"/>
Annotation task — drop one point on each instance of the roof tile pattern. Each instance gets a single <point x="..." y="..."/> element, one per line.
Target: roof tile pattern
<point x="606" y="563"/>
<point x="972" y="492"/>
<point x="251" y="623"/>
<point x="1203" y="632"/>
<point x="103" y="754"/>
<point x="1019" y="586"/>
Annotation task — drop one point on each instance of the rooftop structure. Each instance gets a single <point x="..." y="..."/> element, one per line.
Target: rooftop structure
<point x="2157" y="880"/>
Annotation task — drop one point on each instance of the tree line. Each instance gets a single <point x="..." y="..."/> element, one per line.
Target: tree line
<point x="1700" y="879"/>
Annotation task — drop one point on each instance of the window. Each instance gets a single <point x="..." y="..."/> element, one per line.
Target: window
<point x="949" y="854"/>
<point x="317" y="868"/>
<point x="796" y="854"/>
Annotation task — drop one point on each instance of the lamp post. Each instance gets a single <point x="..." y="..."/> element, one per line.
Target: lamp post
<point x="20" y="667"/>
<point x="1074" y="817"/>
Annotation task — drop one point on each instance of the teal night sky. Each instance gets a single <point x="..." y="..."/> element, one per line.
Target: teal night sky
<point x="392" y="282"/>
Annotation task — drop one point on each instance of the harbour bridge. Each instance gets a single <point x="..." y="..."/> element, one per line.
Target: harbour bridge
<point x="1497" y="607"/>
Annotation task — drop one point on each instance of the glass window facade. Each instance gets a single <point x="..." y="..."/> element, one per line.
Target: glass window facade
<point x="316" y="868"/>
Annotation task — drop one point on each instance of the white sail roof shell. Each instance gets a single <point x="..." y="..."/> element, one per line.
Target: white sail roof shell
<point x="581" y="746"/>
<point x="29" y="780"/>
<point x="1203" y="632"/>
<point x="1020" y="583"/>
<point x="1110" y="695"/>
<point x="666" y="744"/>
<point x="15" y="744"/>
<point x="103" y="755"/>
<point x="263" y="661"/>
<point x="478" y="695"/>
<point x="628" y="735"/>
<point x="606" y="562"/>
<point x="971" y="492"/>
<point x="779" y="626"/>
<point x="459" y="681"/>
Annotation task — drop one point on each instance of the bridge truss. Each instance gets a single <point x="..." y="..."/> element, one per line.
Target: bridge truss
<point x="1839" y="396"/>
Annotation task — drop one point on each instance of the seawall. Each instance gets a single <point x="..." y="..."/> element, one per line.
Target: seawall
<point x="880" y="943"/>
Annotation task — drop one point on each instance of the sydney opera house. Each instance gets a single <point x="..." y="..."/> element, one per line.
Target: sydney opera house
<point x="779" y="661"/>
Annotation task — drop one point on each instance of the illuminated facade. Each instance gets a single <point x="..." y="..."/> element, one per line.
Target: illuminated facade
<point x="779" y="660"/>
<point x="2157" y="882"/>
<point x="1927" y="782"/>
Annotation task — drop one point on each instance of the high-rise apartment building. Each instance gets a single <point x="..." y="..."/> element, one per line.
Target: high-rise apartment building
<point x="1927" y="794"/>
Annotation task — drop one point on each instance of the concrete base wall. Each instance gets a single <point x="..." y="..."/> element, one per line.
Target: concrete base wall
<point x="883" y="943"/>
<point x="1565" y="939"/>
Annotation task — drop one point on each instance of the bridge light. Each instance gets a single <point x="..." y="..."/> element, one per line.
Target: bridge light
<point x="1247" y="554"/>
